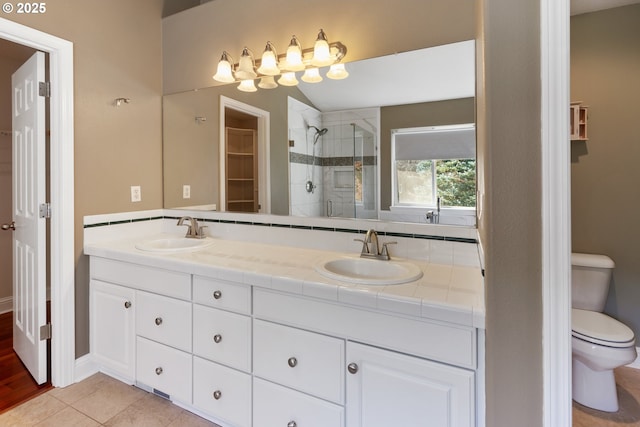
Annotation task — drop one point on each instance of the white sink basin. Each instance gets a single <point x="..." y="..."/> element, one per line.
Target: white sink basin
<point x="173" y="244"/>
<point x="370" y="272"/>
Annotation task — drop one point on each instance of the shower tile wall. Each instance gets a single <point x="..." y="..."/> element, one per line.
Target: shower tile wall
<point x="303" y="203"/>
<point x="333" y="172"/>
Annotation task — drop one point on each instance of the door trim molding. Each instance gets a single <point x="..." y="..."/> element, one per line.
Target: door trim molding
<point x="556" y="211"/>
<point x="61" y="178"/>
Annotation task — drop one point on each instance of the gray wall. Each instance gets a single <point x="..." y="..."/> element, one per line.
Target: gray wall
<point x="605" y="173"/>
<point x="509" y="223"/>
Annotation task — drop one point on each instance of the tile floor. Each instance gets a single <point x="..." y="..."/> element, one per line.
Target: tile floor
<point x="100" y="401"/>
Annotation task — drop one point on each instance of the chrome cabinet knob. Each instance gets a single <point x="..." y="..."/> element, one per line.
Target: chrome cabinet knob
<point x="352" y="368"/>
<point x="292" y="424"/>
<point x="217" y="338"/>
<point x="293" y="362"/>
<point x="158" y="370"/>
<point x="217" y="394"/>
<point x="127" y="304"/>
<point x="217" y="294"/>
<point x="158" y="321"/>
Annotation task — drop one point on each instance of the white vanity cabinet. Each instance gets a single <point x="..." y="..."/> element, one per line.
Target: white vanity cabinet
<point x="248" y="356"/>
<point x="112" y="324"/>
<point x="386" y="388"/>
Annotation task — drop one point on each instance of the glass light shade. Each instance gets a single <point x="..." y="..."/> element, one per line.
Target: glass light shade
<point x="288" y="79"/>
<point x="294" y="56"/>
<point x="311" y="75"/>
<point x="321" y="52"/>
<point x="246" y="66"/>
<point x="247" y="86"/>
<point x="269" y="63"/>
<point x="224" y="72"/>
<point x="337" y="72"/>
<point x="267" y="82"/>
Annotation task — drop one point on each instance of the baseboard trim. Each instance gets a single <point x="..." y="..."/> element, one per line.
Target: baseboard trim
<point x="6" y="304"/>
<point x="84" y="368"/>
<point x="636" y="363"/>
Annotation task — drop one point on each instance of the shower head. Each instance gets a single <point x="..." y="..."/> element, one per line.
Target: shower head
<point x="319" y="133"/>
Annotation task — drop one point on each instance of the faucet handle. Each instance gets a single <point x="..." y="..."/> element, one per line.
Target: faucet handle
<point x="365" y="246"/>
<point x="200" y="232"/>
<point x="385" y="251"/>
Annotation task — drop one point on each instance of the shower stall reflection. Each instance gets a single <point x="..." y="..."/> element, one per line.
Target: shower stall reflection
<point x="332" y="162"/>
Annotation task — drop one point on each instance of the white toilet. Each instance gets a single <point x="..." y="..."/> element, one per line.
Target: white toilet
<point x="599" y="343"/>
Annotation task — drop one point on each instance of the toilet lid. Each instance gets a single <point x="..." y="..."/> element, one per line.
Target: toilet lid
<point x="599" y="328"/>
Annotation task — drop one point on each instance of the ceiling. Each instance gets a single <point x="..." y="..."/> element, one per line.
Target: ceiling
<point x="425" y="75"/>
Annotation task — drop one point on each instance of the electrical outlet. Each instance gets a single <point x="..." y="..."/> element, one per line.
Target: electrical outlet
<point x="186" y="191"/>
<point x="136" y="193"/>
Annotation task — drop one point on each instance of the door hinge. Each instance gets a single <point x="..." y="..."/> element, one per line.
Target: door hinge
<point x="44" y="89"/>
<point x="45" y="210"/>
<point x="45" y="332"/>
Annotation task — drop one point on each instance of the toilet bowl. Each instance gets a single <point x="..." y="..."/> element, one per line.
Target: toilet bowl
<point x="599" y="342"/>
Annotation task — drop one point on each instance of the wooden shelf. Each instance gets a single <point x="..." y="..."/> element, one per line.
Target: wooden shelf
<point x="241" y="170"/>
<point x="578" y="116"/>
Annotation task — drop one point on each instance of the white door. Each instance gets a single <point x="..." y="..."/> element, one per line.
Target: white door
<point x="29" y="235"/>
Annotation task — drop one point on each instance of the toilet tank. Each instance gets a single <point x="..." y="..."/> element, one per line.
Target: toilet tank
<point x="590" y="279"/>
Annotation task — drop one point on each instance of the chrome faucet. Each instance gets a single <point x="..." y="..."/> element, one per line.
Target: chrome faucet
<point x="371" y="248"/>
<point x="434" y="217"/>
<point x="194" y="231"/>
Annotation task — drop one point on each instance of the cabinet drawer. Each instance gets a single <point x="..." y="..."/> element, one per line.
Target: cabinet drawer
<point x="163" y="319"/>
<point x="216" y="293"/>
<point x="222" y="337"/>
<point x="166" y="282"/>
<point x="308" y="362"/>
<point x="274" y="405"/>
<point x="222" y="392"/>
<point x="164" y="368"/>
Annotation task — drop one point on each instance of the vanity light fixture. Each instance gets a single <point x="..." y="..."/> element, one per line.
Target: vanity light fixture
<point x="224" y="72"/>
<point x="246" y="66"/>
<point x="271" y="64"/>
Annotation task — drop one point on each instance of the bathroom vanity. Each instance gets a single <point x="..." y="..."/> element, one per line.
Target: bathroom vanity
<point x="249" y="334"/>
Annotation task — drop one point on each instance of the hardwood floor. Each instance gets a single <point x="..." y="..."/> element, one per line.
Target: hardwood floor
<point x="16" y="385"/>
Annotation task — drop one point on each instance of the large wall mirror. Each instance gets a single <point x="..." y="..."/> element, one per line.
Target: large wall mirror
<point x="338" y="148"/>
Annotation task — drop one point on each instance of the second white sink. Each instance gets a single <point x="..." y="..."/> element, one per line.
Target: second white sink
<point x="370" y="272"/>
<point x="173" y="244"/>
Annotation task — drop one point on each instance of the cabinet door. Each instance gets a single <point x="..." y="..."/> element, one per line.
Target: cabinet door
<point x="385" y="388"/>
<point x="112" y="329"/>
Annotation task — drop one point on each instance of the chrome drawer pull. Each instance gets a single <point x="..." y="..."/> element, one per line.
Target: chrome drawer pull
<point x="217" y="294"/>
<point x="158" y="370"/>
<point x="158" y="321"/>
<point x="127" y="304"/>
<point x="217" y="394"/>
<point x="293" y="362"/>
<point x="352" y="368"/>
<point x="217" y="338"/>
<point x="292" y="424"/>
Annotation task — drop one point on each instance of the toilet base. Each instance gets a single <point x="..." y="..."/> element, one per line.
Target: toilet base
<point x="594" y="389"/>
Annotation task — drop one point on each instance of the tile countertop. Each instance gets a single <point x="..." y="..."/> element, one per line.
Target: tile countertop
<point x="449" y="293"/>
